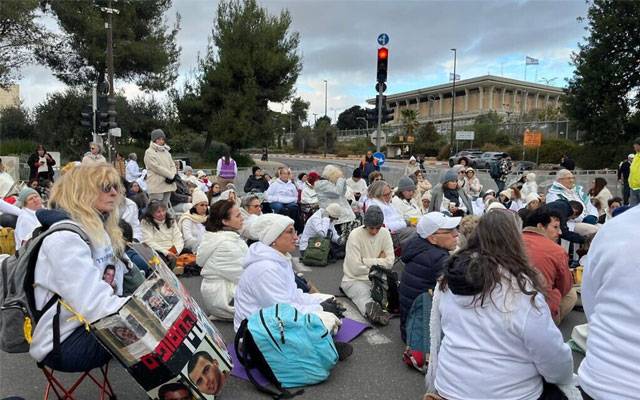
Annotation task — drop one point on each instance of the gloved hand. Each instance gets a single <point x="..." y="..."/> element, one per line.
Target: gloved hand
<point x="169" y="180"/>
<point x="329" y="320"/>
<point x="332" y="306"/>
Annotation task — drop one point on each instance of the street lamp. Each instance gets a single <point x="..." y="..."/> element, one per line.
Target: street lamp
<point x="325" y="115"/>
<point x="453" y="97"/>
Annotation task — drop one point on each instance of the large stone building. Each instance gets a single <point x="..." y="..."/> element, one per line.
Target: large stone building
<point x="474" y="96"/>
<point x="10" y="97"/>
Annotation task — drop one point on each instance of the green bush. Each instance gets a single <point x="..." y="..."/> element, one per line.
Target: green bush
<point x="598" y="157"/>
<point x="443" y="154"/>
<point x="19" y="147"/>
<point x="552" y="150"/>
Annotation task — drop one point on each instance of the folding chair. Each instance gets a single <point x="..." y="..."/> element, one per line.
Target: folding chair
<point x="98" y="376"/>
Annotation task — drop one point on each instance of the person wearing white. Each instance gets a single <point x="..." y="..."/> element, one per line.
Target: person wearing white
<point x="30" y="201"/>
<point x="332" y="189"/>
<point x="268" y="276"/>
<point x="321" y="223"/>
<point x="356" y="184"/>
<point x="610" y="284"/>
<point x="367" y="246"/>
<point x="492" y="318"/>
<point x="129" y="213"/>
<point x="380" y="195"/>
<point x="192" y="222"/>
<point x="472" y="186"/>
<point x="94" y="155"/>
<point x="282" y="192"/>
<point x="480" y="204"/>
<point x="412" y="167"/>
<point x="404" y="201"/>
<point x="251" y="209"/>
<point x="309" y="195"/>
<point x="74" y="269"/>
<point x="221" y="255"/>
<point x="160" y="231"/>
<point x="132" y="171"/>
<point x="161" y="170"/>
<point x="530" y="186"/>
<point x="565" y="188"/>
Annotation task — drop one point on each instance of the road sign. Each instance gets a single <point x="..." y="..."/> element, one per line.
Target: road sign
<point x="384" y="87"/>
<point x="380" y="157"/>
<point x="383" y="39"/>
<point x="532" y="138"/>
<point x="465" y="135"/>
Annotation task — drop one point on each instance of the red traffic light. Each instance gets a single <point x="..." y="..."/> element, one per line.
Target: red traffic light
<point x="383" y="53"/>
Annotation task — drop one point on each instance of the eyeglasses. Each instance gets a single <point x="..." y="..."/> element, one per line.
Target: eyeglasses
<point x="255" y="205"/>
<point x="108" y="187"/>
<point x="386" y="194"/>
<point x="446" y="231"/>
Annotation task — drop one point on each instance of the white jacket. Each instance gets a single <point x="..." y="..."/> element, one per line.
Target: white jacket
<point x="93" y="159"/>
<point x="129" y="213"/>
<point x="317" y="225"/>
<point x="268" y="278"/>
<point x="282" y="192"/>
<point x="69" y="267"/>
<point x="609" y="296"/>
<point x="329" y="192"/>
<point x="406" y="208"/>
<point x="309" y="195"/>
<point x="529" y="187"/>
<point x="363" y="252"/>
<point x="161" y="240"/>
<point x="392" y="218"/>
<point x="27" y="222"/>
<point x="221" y="255"/>
<point x="192" y="231"/>
<point x="132" y="172"/>
<point x="357" y="187"/>
<point x="160" y="166"/>
<point x="520" y="335"/>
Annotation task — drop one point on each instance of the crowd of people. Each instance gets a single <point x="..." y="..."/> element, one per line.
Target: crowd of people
<point x="496" y="263"/>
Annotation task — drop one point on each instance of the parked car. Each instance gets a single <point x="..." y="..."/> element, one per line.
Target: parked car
<point x="521" y="166"/>
<point x="488" y="157"/>
<point x="470" y="155"/>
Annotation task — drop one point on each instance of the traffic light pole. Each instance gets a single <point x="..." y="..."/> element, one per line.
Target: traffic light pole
<point x="379" y="106"/>
<point x="109" y="26"/>
<point x="94" y="107"/>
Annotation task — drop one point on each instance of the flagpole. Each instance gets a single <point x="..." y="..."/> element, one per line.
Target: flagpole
<point x="525" y="68"/>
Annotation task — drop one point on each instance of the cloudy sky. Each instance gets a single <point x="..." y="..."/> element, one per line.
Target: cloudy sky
<point x="338" y="43"/>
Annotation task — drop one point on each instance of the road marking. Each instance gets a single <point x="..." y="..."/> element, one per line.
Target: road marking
<point x="373" y="335"/>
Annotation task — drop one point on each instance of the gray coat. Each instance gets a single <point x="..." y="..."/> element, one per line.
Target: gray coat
<point x="329" y="192"/>
<point x="437" y="195"/>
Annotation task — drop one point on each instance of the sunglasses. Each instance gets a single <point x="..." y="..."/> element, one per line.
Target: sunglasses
<point x="108" y="187"/>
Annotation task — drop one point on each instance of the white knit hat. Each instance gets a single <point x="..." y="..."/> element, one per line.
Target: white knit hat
<point x="268" y="227"/>
<point x="334" y="210"/>
<point x="495" y="205"/>
<point x="198" y="196"/>
<point x="531" y="197"/>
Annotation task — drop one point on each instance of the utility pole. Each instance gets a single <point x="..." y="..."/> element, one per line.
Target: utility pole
<point x="109" y="27"/>
<point x="453" y="98"/>
<point x="94" y="107"/>
<point x="325" y="116"/>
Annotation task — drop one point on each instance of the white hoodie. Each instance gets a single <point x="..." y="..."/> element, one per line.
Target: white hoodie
<point x="268" y="278"/>
<point x="76" y="275"/>
<point x="221" y="255"/>
<point x="282" y="192"/>
<point x="609" y="295"/>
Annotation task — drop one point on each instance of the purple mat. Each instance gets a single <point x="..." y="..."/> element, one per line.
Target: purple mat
<point x="349" y="330"/>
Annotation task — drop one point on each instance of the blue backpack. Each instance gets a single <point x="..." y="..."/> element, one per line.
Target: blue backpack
<point x="418" y="333"/>
<point x="289" y="348"/>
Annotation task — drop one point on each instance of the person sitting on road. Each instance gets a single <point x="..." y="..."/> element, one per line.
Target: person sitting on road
<point x="467" y="226"/>
<point x="357" y="184"/>
<point x="130" y="213"/>
<point x="424" y="259"/>
<point x="130" y="241"/>
<point x="309" y="198"/>
<point x="282" y="195"/>
<point x="331" y="189"/>
<point x="250" y="208"/>
<point x="422" y="187"/>
<point x="404" y="201"/>
<point x="531" y="203"/>
<point x="367" y="246"/>
<point x="375" y="176"/>
<point x="565" y="188"/>
<point x="180" y="199"/>
<point x="94" y="155"/>
<point x="488" y="306"/>
<point x="613" y="204"/>
<point x="192" y="223"/>
<point x="302" y="179"/>
<point x="256" y="182"/>
<point x="30" y="201"/>
<point x="472" y="186"/>
<point x="540" y="235"/>
<point x="268" y="276"/>
<point x="530" y="186"/>
<point x="610" y="284"/>
<point x="425" y="201"/>
<point x="411" y="167"/>
<point x="321" y="223"/>
<point x="161" y="233"/>
<point x="482" y="202"/>
<point x="449" y="197"/>
<point x="380" y="194"/>
<point x="132" y="172"/>
<point x="73" y="269"/>
<point x="221" y="255"/>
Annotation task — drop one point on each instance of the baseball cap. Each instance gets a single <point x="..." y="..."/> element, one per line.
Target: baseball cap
<point x="430" y="223"/>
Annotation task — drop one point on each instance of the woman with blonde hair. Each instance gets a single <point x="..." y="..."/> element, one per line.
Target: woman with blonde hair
<point x="332" y="188"/>
<point x="71" y="268"/>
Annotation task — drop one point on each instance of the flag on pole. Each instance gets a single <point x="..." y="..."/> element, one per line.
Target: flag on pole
<point x="531" y="61"/>
<point x="457" y="77"/>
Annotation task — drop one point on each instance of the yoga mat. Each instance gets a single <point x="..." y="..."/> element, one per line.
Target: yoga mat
<point x="348" y="331"/>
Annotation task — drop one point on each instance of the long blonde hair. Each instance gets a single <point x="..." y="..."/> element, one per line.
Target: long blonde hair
<point x="77" y="192"/>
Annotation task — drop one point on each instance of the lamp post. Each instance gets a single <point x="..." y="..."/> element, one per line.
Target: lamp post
<point x="366" y="124"/>
<point x="453" y="97"/>
<point x="325" y="115"/>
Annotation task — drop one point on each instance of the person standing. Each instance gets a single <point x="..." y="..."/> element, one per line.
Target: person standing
<point x="610" y="284"/>
<point x="567" y="162"/>
<point x="634" y="175"/>
<point x="161" y="170"/>
<point x="504" y="168"/>
<point x="623" y="177"/>
<point x="41" y="165"/>
<point x="227" y="170"/>
<point x="94" y="155"/>
<point x="368" y="164"/>
<point x="120" y="165"/>
<point x="412" y="167"/>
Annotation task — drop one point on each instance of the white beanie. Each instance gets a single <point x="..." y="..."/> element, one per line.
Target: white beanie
<point x="198" y="196"/>
<point x="494" y="205"/>
<point x="334" y="210"/>
<point x="268" y="227"/>
<point x="531" y="197"/>
<point x="531" y="177"/>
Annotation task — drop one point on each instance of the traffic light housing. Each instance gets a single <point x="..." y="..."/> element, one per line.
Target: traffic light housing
<point x="387" y="114"/>
<point x="372" y="115"/>
<point x="106" y="114"/>
<point x="383" y="62"/>
<point x="86" y="117"/>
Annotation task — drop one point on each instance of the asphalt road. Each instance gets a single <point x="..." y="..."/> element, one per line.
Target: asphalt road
<point x="374" y="371"/>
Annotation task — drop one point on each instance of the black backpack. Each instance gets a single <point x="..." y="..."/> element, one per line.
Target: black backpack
<point x="494" y="170"/>
<point x="384" y="288"/>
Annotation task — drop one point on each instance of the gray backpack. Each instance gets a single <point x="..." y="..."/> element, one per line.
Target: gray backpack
<point x="18" y="313"/>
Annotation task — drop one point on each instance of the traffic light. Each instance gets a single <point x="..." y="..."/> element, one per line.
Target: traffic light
<point x="387" y="114"/>
<point x="87" y="117"/>
<point x="383" y="61"/>
<point x="372" y="115"/>
<point x="106" y="114"/>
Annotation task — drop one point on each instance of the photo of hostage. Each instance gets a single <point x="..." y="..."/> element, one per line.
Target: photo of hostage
<point x="161" y="298"/>
<point x="204" y="371"/>
<point x="109" y="276"/>
<point x="125" y="335"/>
<point x="159" y="307"/>
<point x="174" y="391"/>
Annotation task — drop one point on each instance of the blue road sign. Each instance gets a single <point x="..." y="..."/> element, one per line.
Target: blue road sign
<point x="380" y="157"/>
<point x="383" y="39"/>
